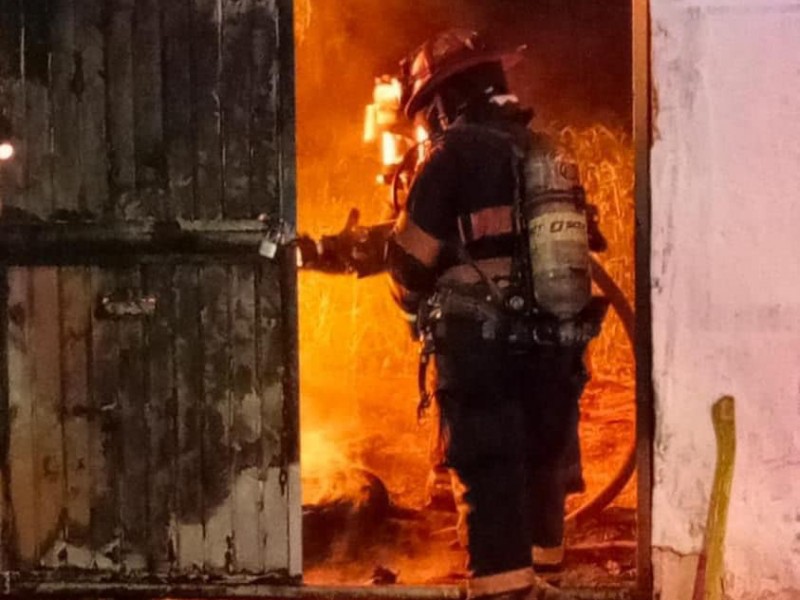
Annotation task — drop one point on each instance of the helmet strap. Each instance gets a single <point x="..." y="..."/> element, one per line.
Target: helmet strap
<point x="434" y="115"/>
<point x="443" y="119"/>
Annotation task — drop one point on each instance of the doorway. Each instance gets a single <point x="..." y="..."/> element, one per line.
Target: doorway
<point x="369" y="515"/>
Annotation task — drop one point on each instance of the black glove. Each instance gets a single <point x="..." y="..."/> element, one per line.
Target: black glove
<point x="307" y="252"/>
<point x="355" y="249"/>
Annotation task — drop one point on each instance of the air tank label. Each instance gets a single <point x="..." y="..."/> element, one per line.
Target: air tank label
<point x="561" y="226"/>
<point x="560" y="262"/>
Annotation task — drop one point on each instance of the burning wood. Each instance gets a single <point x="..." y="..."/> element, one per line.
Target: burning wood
<point x="347" y="518"/>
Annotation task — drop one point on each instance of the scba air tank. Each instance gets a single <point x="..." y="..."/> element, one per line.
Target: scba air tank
<point x="554" y="213"/>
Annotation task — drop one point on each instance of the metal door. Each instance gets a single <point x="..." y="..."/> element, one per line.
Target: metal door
<point x="148" y="365"/>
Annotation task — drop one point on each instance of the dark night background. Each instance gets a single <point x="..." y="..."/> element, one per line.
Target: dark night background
<point x="577" y="67"/>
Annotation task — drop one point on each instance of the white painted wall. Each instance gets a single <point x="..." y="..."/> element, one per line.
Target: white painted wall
<point x="726" y="285"/>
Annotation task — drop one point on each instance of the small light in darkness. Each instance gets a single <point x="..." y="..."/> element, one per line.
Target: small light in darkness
<point x="6" y="151"/>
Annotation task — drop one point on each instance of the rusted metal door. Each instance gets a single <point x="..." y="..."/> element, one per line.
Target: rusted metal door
<point x="148" y="398"/>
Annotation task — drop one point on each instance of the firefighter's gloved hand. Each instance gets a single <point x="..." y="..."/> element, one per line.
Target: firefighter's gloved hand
<point x="307" y="252"/>
<point x="350" y="234"/>
<point x="330" y="253"/>
<point x="339" y="252"/>
<point x="352" y="238"/>
<point x="355" y="249"/>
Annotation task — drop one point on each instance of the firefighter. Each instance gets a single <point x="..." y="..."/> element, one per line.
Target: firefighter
<point x="468" y="258"/>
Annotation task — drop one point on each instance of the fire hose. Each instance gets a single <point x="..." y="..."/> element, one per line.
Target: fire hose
<point x="624" y="311"/>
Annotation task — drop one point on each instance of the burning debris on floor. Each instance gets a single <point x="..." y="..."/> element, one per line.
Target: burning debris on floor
<point x="358" y="535"/>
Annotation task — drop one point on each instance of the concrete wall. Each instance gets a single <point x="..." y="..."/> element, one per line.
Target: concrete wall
<point x="726" y="286"/>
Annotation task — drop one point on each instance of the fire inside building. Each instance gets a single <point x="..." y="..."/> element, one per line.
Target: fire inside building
<point x="153" y="419"/>
<point x="373" y="502"/>
<point x="247" y="350"/>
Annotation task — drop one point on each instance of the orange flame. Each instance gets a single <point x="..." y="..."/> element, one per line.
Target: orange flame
<point x="390" y="153"/>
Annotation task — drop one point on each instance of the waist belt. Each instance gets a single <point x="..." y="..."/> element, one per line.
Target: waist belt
<point x="459" y="317"/>
<point x="513" y="332"/>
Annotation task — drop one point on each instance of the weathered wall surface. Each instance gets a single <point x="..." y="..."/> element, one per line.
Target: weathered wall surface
<point x="156" y="440"/>
<point x="726" y="285"/>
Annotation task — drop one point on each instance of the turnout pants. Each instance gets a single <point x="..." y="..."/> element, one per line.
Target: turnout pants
<point x="509" y="429"/>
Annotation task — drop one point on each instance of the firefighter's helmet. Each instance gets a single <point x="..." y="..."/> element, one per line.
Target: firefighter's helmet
<point x="447" y="54"/>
